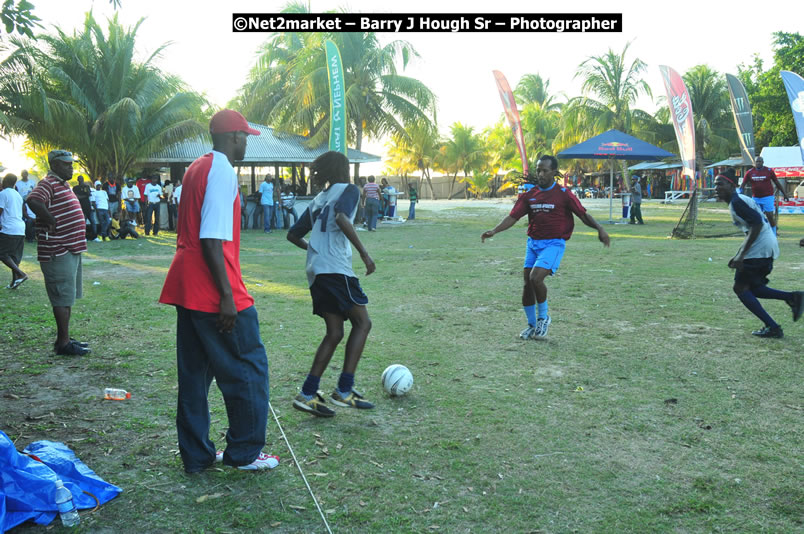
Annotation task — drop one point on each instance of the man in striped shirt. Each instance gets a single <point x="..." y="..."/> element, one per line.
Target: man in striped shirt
<point x="61" y="238"/>
<point x="371" y="200"/>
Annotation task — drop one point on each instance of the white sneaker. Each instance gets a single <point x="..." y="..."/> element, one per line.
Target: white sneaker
<point x="541" y="326"/>
<point x="527" y="333"/>
<point x="263" y="461"/>
<point x="98" y="239"/>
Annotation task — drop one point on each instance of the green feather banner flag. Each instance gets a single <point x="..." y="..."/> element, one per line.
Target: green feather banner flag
<point x="337" y="104"/>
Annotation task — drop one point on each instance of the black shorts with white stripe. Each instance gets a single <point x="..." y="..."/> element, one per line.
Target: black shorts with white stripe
<point x="337" y="294"/>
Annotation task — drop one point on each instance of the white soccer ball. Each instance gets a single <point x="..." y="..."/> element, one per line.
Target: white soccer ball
<point x="397" y="380"/>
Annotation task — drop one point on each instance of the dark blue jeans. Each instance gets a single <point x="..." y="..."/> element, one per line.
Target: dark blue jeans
<point x="372" y="211"/>
<point x="239" y="365"/>
<point x="104" y="221"/>
<point x="268" y="217"/>
<point x="152" y="212"/>
<point x="172" y="216"/>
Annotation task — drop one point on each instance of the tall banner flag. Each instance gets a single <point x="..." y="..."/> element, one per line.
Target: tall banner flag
<point x="794" y="85"/>
<point x="681" y="110"/>
<point x="337" y="103"/>
<point x="741" y="109"/>
<point x="511" y="113"/>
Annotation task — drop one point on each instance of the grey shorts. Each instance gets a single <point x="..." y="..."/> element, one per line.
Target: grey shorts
<point x="11" y="246"/>
<point x="63" y="280"/>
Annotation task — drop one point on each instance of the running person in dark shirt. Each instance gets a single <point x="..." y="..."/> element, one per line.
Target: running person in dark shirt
<point x="549" y="208"/>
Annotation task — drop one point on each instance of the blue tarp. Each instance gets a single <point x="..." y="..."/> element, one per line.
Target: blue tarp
<point x="27" y="486"/>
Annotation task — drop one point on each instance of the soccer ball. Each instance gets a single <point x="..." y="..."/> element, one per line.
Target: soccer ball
<point x="397" y="380"/>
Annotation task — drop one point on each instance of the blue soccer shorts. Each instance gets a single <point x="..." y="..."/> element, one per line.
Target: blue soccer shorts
<point x="544" y="253"/>
<point x="766" y="204"/>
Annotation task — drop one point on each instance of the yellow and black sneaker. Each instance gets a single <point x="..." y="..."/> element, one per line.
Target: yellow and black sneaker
<point x="352" y="400"/>
<point x="316" y="406"/>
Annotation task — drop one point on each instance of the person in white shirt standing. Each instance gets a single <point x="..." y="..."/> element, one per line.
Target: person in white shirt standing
<point x="131" y="196"/>
<point x="24" y="186"/>
<point x="153" y="194"/>
<point x="267" y="202"/>
<point x="177" y="198"/>
<point x="12" y="231"/>
<point x="101" y="199"/>
<point x="389" y="193"/>
<point x="168" y="189"/>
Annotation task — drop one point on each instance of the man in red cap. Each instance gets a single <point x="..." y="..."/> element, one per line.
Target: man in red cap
<point x="217" y="334"/>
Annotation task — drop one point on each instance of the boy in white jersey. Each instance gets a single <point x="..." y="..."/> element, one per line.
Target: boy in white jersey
<point x="754" y="259"/>
<point x="335" y="290"/>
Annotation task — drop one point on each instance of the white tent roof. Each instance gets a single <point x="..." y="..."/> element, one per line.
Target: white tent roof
<point x="784" y="160"/>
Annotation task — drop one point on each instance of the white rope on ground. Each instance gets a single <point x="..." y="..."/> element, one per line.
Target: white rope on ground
<point x="298" y="466"/>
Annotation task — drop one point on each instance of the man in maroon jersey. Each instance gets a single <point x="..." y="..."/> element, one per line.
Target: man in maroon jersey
<point x="762" y="180"/>
<point x="549" y="208"/>
<point x="61" y="239"/>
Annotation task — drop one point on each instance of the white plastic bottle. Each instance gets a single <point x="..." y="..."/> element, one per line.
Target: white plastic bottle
<point x="64" y="502"/>
<point x="116" y="394"/>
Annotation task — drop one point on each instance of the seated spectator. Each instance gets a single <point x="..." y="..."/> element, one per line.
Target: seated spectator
<point x="128" y="228"/>
<point x="114" y="226"/>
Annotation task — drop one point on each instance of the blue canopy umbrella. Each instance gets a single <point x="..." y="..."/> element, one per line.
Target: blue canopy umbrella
<point x="612" y="145"/>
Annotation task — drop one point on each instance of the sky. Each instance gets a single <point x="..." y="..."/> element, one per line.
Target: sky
<point x="214" y="60"/>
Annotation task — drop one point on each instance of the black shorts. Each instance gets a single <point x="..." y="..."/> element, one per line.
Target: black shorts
<point x="336" y="293"/>
<point x="755" y="272"/>
<point x="11" y="246"/>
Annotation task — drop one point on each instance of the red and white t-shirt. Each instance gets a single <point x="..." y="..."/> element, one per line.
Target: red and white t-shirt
<point x="71" y="230"/>
<point x="549" y="212"/>
<point x="210" y="209"/>
<point x="372" y="190"/>
<point x="761" y="181"/>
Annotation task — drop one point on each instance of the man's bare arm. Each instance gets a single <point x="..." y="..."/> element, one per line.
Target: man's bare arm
<point x="212" y="250"/>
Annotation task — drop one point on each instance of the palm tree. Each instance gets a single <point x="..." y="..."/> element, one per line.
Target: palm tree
<point x="289" y="84"/>
<point x="501" y="154"/>
<point x="85" y="92"/>
<point x="532" y="89"/>
<point x="714" y="130"/>
<point x="462" y="152"/>
<point x="479" y="183"/>
<point x="400" y="161"/>
<point x="541" y="127"/>
<point x="420" y="146"/>
<point x="611" y="87"/>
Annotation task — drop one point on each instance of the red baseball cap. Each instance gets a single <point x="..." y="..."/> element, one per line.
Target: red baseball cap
<point x="229" y="120"/>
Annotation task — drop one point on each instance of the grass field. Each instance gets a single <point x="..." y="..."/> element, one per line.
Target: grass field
<point x="649" y="407"/>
